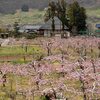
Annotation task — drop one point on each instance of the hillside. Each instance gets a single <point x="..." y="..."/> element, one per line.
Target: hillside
<point x="94" y="15"/>
<point x="32" y="17"/>
<point x="35" y="16"/>
<point x="10" y="6"/>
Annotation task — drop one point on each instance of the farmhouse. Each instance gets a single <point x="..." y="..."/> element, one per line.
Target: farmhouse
<point x="46" y="28"/>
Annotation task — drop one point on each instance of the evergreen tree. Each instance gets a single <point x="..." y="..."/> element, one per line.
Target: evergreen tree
<point x="77" y="17"/>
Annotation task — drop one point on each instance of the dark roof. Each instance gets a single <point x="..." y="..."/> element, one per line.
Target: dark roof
<point x="48" y="24"/>
<point x="27" y="27"/>
<point x="97" y="25"/>
<point x="33" y="27"/>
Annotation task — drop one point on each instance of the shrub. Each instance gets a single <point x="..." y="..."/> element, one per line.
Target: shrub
<point x="25" y="8"/>
<point x="30" y="35"/>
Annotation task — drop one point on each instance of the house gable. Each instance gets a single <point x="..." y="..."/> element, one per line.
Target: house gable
<point x="48" y="25"/>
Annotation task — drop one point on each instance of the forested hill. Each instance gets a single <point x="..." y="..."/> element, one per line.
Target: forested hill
<point x="10" y="6"/>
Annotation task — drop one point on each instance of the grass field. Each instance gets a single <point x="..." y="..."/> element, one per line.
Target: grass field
<point x="94" y="12"/>
<point x="94" y="15"/>
<point x="31" y="17"/>
<point x="18" y="54"/>
<point x="18" y="50"/>
<point x="36" y="16"/>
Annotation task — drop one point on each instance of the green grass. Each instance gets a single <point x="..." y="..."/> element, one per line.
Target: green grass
<point x="17" y="54"/>
<point x="37" y="16"/>
<point x="93" y="15"/>
<point x="94" y="12"/>
<point x="18" y="50"/>
<point x="31" y="17"/>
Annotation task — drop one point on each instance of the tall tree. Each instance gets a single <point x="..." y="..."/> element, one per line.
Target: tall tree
<point x="53" y="10"/>
<point x="50" y="13"/>
<point x="61" y="12"/>
<point x="77" y="17"/>
<point x="57" y="9"/>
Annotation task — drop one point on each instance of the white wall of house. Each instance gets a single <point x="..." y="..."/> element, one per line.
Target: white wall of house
<point x="47" y="33"/>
